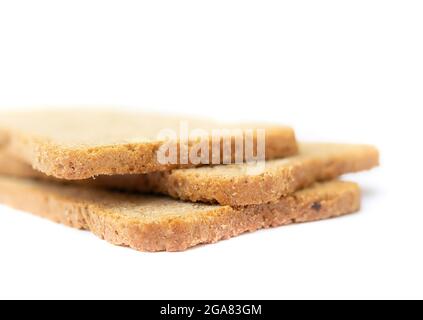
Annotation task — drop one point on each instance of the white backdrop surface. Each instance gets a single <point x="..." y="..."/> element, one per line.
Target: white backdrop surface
<point x="335" y="70"/>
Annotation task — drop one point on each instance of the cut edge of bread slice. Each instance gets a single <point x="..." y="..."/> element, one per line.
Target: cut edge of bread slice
<point x="153" y="223"/>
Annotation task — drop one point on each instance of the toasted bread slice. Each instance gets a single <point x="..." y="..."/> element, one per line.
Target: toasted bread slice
<point x="79" y="144"/>
<point x="153" y="223"/>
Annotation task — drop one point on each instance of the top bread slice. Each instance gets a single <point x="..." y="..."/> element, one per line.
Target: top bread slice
<point x="79" y="144"/>
<point x="234" y="185"/>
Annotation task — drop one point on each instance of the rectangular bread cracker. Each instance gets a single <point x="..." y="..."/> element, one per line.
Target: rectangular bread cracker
<point x="152" y="223"/>
<point x="78" y="144"/>
<point x="232" y="185"/>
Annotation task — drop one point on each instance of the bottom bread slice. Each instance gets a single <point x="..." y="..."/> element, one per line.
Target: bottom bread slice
<point x="153" y="223"/>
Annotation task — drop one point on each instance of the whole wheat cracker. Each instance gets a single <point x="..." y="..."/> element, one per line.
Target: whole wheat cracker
<point x="232" y="185"/>
<point x="78" y="144"/>
<point x="152" y="223"/>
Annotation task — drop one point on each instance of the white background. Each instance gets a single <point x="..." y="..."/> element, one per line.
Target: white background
<point x="336" y="70"/>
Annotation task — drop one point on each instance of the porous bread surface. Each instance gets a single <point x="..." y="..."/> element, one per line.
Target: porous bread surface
<point x="153" y="223"/>
<point x="231" y="184"/>
<point x="79" y="144"/>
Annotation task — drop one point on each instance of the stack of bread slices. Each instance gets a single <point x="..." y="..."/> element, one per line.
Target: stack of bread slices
<point x="99" y="170"/>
